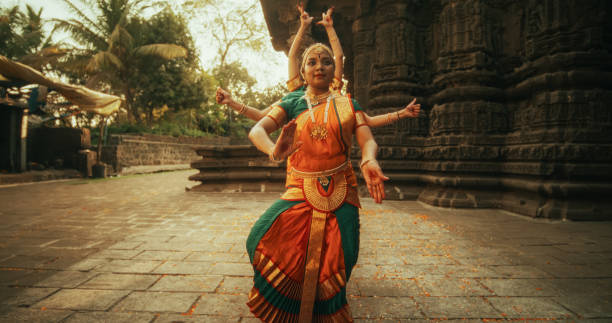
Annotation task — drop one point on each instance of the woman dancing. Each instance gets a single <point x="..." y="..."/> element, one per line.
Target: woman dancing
<point x="304" y="247"/>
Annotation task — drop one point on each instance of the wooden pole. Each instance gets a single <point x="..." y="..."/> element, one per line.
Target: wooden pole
<point x="102" y="124"/>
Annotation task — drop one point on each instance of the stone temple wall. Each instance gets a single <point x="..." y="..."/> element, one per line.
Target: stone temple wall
<point x="147" y="153"/>
<point x="516" y="98"/>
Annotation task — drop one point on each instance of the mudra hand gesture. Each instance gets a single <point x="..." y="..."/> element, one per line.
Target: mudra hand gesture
<point x="305" y="18"/>
<point x="411" y="110"/>
<point x="284" y="146"/>
<point x="327" y="20"/>
<point x="222" y="96"/>
<point x="374" y="178"/>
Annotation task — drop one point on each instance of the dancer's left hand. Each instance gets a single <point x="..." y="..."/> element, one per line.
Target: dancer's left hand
<point x="327" y="20"/>
<point x="412" y="110"/>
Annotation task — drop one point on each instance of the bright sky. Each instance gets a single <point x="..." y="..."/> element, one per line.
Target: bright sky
<point x="268" y="71"/>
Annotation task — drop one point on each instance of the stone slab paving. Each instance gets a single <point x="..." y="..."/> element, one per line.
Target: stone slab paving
<point x="142" y="249"/>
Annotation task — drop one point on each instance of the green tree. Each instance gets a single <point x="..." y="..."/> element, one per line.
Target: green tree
<point x="180" y="83"/>
<point x="230" y="31"/>
<point x="23" y="39"/>
<point x="109" y="57"/>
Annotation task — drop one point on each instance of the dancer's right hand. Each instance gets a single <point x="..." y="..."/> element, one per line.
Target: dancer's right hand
<point x="284" y="146"/>
<point x="305" y="18"/>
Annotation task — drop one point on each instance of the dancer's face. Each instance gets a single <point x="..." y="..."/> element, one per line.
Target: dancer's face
<point x="319" y="69"/>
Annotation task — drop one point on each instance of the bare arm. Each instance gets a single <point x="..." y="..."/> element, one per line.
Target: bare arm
<point x="294" y="62"/>
<point x="284" y="146"/>
<point x="328" y="23"/>
<point x="410" y="111"/>
<point x="224" y="97"/>
<point x="372" y="174"/>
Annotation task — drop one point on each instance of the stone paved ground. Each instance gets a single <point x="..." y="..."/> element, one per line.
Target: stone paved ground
<point x="141" y="249"/>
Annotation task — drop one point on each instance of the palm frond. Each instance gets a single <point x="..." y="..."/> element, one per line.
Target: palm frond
<point x="103" y="59"/>
<point x="81" y="33"/>
<point x="165" y="51"/>
<point x="84" y="17"/>
<point x="120" y="37"/>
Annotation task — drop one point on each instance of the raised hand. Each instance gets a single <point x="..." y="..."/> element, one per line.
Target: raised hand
<point x="327" y="20"/>
<point x="305" y="18"/>
<point x="222" y="96"/>
<point x="284" y="146"/>
<point x="374" y="179"/>
<point x="412" y="110"/>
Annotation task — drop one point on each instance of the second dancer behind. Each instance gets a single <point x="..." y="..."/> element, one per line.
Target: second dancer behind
<point x="296" y="82"/>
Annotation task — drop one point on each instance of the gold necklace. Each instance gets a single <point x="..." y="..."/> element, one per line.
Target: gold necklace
<point x="318" y="131"/>
<point x="316" y="99"/>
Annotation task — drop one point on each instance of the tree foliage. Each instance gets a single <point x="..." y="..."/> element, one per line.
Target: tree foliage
<point x="179" y="84"/>
<point x="110" y="55"/>
<point x="23" y="39"/>
<point x="150" y="60"/>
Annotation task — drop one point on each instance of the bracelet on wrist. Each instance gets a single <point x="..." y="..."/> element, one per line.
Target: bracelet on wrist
<point x="363" y="162"/>
<point x="273" y="158"/>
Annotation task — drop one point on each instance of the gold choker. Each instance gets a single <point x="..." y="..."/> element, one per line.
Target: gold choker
<point x="316" y="99"/>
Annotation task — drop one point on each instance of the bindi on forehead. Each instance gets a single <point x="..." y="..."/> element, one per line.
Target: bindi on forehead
<point x="320" y="54"/>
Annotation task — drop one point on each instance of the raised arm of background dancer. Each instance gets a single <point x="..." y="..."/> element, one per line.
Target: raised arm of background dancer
<point x="224" y="97"/>
<point x="328" y="23"/>
<point x="410" y="111"/>
<point x="294" y="62"/>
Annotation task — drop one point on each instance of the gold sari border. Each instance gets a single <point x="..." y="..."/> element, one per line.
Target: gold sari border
<point x="276" y="277"/>
<point x="265" y="311"/>
<point x="332" y="286"/>
<point x="277" y="114"/>
<point x="294" y="83"/>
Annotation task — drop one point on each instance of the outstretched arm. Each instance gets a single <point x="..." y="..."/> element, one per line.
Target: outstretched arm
<point x="328" y="23"/>
<point x="224" y="97"/>
<point x="372" y="174"/>
<point x="294" y="62"/>
<point x="410" y="111"/>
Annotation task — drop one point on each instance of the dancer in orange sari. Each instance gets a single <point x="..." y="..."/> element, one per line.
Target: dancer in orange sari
<point x="304" y="247"/>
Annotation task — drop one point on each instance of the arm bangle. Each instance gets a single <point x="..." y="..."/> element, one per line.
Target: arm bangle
<point x="363" y="162"/>
<point x="273" y="158"/>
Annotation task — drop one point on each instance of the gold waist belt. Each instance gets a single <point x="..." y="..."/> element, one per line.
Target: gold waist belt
<point x="323" y="173"/>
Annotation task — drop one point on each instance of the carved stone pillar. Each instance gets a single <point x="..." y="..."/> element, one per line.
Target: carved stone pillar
<point x="560" y="120"/>
<point x="468" y="118"/>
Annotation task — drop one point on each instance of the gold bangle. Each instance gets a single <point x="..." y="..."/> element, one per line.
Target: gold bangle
<point x="389" y="121"/>
<point x="243" y="108"/>
<point x="398" y="117"/>
<point x="273" y="158"/>
<point x="363" y="162"/>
